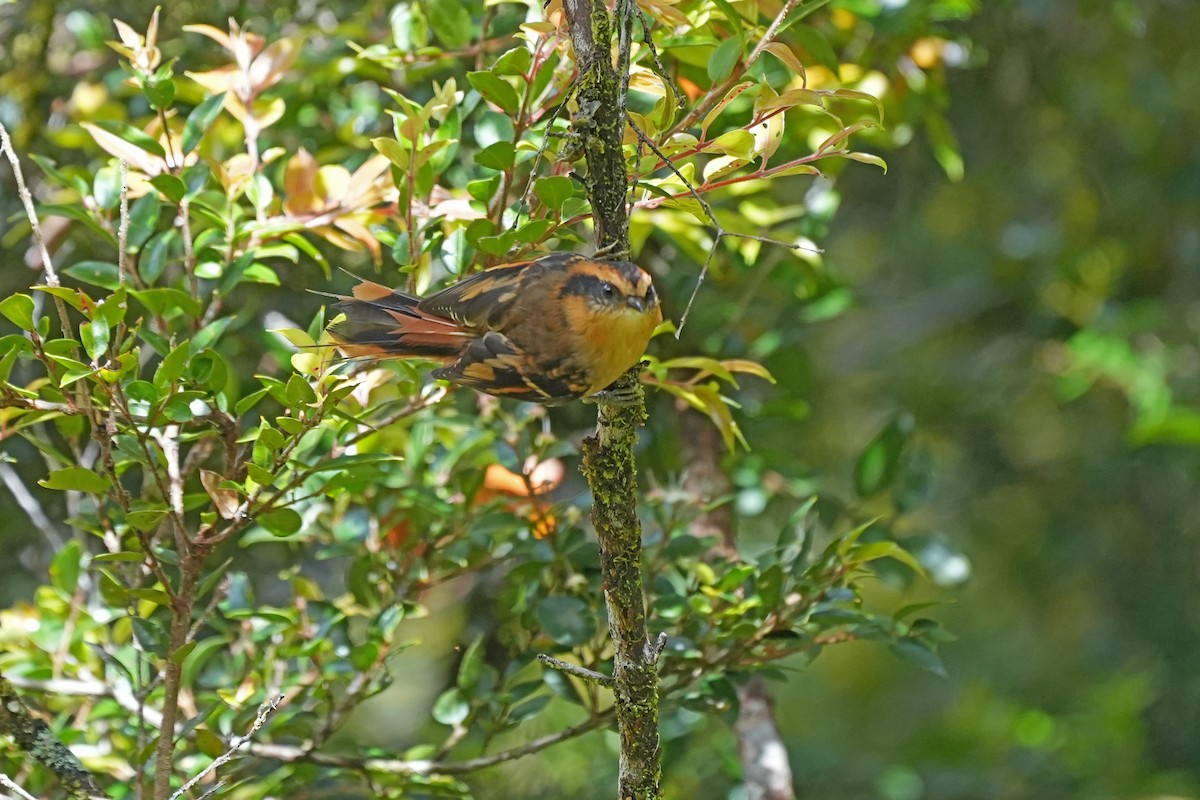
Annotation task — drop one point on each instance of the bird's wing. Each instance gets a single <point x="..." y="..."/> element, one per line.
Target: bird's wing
<point x="493" y="364"/>
<point x="481" y="300"/>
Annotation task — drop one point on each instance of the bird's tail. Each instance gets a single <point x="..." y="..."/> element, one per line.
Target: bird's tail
<point x="380" y="322"/>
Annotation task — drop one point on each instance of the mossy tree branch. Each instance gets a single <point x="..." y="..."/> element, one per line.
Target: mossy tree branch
<point x="608" y="460"/>
<point x="35" y="738"/>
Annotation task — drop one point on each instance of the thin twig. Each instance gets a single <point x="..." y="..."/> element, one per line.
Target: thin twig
<point x="9" y="784"/>
<point x="30" y="505"/>
<point x="235" y="745"/>
<point x="27" y="200"/>
<point x="659" y="69"/>
<point x="123" y="230"/>
<point x="583" y="673"/>
<point x="39" y="241"/>
<point x="708" y="212"/>
<point x="541" y="154"/>
<point x="718" y="90"/>
<point x="168" y="441"/>
<point x="290" y="753"/>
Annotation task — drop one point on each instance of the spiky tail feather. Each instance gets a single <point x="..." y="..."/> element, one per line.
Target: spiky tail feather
<point x="378" y="321"/>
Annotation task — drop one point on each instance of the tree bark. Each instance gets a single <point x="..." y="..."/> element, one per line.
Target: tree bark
<point x="608" y="460"/>
<point x="766" y="771"/>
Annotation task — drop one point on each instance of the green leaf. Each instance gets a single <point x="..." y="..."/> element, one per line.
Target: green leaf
<point x="495" y="90"/>
<point x="146" y="519"/>
<point x="298" y="391"/>
<point x="98" y="273"/>
<point x="393" y="151"/>
<point x="164" y="301"/>
<point x="724" y="59"/>
<point x="19" y="310"/>
<point x="171" y="187"/>
<point x="451" y="707"/>
<point x="566" y="620"/>
<point x="199" y="120"/>
<point x="554" y="190"/>
<point x="513" y="62"/>
<point x="737" y="143"/>
<point x="733" y="18"/>
<point x="70" y="296"/>
<point x="281" y="521"/>
<point x="364" y="656"/>
<point x="171" y="367"/>
<point x="534" y="230"/>
<point x="160" y="93"/>
<point x="95" y="337"/>
<point x="497" y="156"/>
<point x="260" y="475"/>
<point x="922" y="655"/>
<point x="150" y="635"/>
<point x="76" y="479"/>
<point x="450" y="22"/>
<point x="886" y="549"/>
<point x="66" y="566"/>
<point x="880" y="461"/>
<point x="471" y="667"/>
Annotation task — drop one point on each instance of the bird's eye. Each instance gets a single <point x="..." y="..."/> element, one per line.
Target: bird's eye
<point x="608" y="291"/>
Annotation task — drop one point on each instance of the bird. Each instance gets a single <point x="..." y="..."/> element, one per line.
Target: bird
<point x="546" y="330"/>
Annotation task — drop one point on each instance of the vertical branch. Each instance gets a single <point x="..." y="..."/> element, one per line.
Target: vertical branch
<point x="766" y="771"/>
<point x="610" y="469"/>
<point x="608" y="460"/>
<point x="600" y="122"/>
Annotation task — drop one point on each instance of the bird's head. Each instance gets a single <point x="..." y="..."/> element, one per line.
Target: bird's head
<point x="614" y="292"/>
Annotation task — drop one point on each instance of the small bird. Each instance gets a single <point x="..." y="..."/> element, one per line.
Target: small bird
<point x="549" y="330"/>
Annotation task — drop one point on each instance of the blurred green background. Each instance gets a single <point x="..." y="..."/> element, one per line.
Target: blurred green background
<point x="1039" y="319"/>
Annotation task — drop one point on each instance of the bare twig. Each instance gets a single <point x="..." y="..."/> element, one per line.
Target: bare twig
<point x="289" y="753"/>
<point x="39" y="241"/>
<point x="235" y="745"/>
<point x="30" y="505"/>
<point x="708" y="212"/>
<point x="27" y="200"/>
<point x="123" y="229"/>
<point x="583" y="673"/>
<point x="8" y="783"/>
<point x="713" y="95"/>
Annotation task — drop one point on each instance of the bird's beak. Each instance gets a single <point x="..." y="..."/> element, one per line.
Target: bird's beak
<point x="638" y="303"/>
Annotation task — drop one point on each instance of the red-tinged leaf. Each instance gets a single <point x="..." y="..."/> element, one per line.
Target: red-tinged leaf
<point x="736" y="143"/>
<point x="721" y="166"/>
<point x="705" y="365"/>
<point x="268" y="68"/>
<point x="216" y="34"/>
<point x="867" y="158"/>
<point x="789" y="58"/>
<point x="750" y="367"/>
<point x="730" y="96"/>
<point x="135" y="154"/>
<point x="857" y="95"/>
<point x="844" y="134"/>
